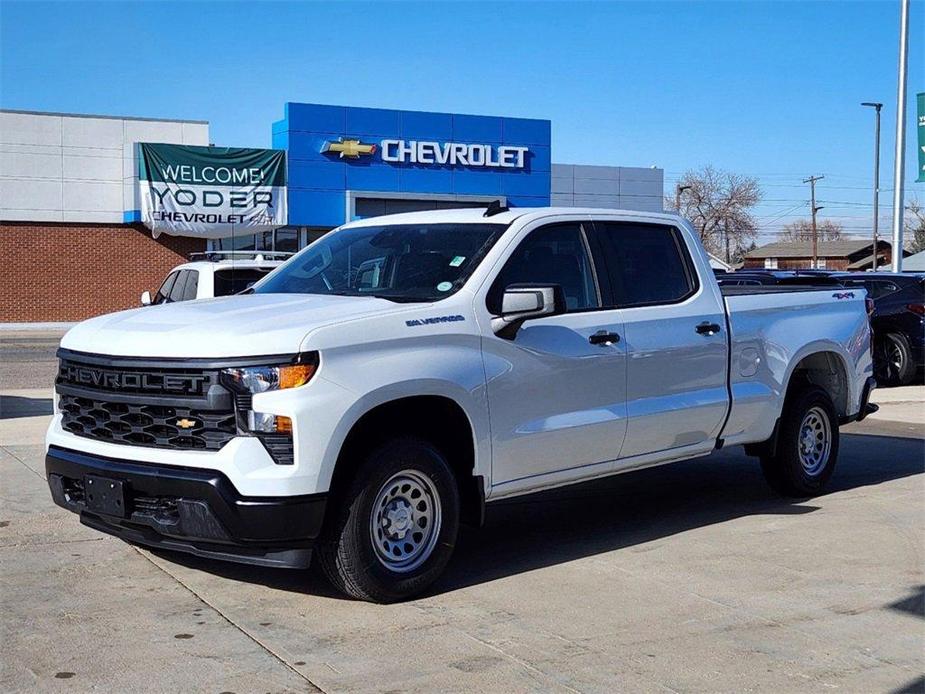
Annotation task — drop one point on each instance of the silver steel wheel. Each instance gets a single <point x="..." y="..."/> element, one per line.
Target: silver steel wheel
<point x="405" y="521"/>
<point x="815" y="442"/>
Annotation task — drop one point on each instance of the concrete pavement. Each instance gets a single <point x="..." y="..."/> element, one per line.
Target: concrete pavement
<point x="690" y="577"/>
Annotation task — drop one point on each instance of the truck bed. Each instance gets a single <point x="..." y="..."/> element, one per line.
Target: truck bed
<point x="745" y="290"/>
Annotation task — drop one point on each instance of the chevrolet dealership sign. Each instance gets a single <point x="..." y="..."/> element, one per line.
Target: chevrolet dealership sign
<point x="432" y="153"/>
<point x="211" y="192"/>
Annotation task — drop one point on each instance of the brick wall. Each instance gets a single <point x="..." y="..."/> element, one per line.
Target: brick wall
<point x="68" y="272"/>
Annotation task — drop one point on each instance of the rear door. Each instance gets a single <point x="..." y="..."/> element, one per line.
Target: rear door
<point x="675" y="337"/>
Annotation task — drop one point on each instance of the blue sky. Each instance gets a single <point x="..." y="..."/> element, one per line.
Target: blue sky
<point x="768" y="89"/>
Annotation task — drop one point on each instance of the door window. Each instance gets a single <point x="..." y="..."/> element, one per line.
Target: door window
<point x="163" y="294"/>
<point x="179" y="287"/>
<point x="555" y="254"/>
<point x="191" y="287"/>
<point x="646" y="263"/>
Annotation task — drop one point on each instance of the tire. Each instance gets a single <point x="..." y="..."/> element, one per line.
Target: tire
<point x="895" y="367"/>
<point x="394" y="528"/>
<point x="807" y="445"/>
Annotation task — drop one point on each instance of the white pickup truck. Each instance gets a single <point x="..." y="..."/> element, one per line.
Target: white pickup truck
<point x="401" y="373"/>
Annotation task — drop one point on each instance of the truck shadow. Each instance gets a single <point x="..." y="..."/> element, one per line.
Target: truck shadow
<point x="621" y="512"/>
<point x="14" y="406"/>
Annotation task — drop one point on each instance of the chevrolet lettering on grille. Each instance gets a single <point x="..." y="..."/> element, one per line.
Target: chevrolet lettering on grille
<point x="127" y="380"/>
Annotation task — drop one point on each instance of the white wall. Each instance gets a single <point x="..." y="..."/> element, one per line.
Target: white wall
<point x="617" y="187"/>
<point x="72" y="168"/>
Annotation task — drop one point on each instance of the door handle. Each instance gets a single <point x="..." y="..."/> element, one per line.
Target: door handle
<point x="602" y="337"/>
<point x="707" y="328"/>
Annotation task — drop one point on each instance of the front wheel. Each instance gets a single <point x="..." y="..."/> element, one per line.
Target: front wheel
<point x="395" y="528"/>
<point x="807" y="445"/>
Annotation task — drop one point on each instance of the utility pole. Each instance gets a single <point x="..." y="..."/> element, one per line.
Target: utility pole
<point x="812" y="187"/>
<point x="899" y="158"/>
<point x="876" y="106"/>
<point x="677" y="196"/>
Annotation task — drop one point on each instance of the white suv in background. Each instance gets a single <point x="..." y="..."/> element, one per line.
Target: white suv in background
<point x="218" y="273"/>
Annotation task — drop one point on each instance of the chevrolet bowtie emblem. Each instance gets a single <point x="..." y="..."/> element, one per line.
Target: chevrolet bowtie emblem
<point x="185" y="423"/>
<point x="348" y="148"/>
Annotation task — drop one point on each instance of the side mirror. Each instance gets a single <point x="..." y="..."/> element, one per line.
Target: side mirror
<point x="521" y="302"/>
<point x="146" y="298"/>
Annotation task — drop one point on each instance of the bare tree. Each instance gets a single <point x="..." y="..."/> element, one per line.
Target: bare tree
<point x="914" y="224"/>
<point x="718" y="204"/>
<point x="802" y="230"/>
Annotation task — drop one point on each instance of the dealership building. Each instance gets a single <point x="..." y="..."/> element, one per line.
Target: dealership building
<point x="75" y="223"/>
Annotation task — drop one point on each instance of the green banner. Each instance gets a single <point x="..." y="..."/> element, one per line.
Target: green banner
<point x="921" y="130"/>
<point x="211" y="192"/>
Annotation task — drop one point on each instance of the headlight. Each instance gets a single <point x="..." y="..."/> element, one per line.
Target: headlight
<point x="260" y="379"/>
<point x="245" y="381"/>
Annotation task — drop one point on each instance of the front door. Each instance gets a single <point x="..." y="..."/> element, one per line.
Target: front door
<point x="557" y="390"/>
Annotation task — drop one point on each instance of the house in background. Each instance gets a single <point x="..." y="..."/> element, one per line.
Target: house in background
<point x="842" y="255"/>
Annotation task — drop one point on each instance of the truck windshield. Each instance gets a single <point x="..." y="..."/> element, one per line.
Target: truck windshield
<point x="400" y="262"/>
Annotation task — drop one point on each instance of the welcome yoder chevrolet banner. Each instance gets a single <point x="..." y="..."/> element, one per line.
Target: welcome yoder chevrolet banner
<point x="211" y="192"/>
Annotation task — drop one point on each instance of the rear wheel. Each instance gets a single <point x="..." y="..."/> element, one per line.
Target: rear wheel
<point x="896" y="367"/>
<point x="807" y="444"/>
<point x="395" y="527"/>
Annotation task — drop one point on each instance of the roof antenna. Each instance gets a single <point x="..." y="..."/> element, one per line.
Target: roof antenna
<point x="495" y="207"/>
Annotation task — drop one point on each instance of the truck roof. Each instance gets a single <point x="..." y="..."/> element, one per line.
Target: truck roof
<point x="476" y="215"/>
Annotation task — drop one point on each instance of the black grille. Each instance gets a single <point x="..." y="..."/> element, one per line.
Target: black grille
<point x="157" y="426"/>
<point x="280" y="448"/>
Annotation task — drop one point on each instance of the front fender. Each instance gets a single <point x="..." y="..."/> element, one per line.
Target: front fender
<point x="448" y="366"/>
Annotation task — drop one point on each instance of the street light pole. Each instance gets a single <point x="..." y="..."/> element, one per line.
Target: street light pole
<point x="876" y="106"/>
<point x="899" y="158"/>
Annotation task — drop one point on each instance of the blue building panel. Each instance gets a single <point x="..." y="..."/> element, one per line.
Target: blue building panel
<point x="372" y="177"/>
<point x="308" y="146"/>
<point x="477" y="182"/>
<point x="525" y="131"/>
<point x="316" y="117"/>
<point x="538" y="158"/>
<point x="420" y="180"/>
<point x="528" y="201"/>
<point x="317" y="175"/>
<point x="335" y="149"/>
<point x="477" y="129"/>
<point x="321" y="208"/>
<point x="420" y="125"/>
<point x="373" y="122"/>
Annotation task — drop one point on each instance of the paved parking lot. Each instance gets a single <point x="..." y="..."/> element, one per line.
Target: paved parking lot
<point x="691" y="577"/>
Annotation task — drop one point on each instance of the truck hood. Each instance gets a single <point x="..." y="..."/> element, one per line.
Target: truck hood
<point x="231" y="326"/>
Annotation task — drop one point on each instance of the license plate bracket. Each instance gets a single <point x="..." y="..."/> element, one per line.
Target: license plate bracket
<point x="105" y="495"/>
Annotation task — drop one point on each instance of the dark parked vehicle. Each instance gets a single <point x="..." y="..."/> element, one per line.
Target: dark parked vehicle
<point x="744" y="278"/>
<point x="898" y="322"/>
